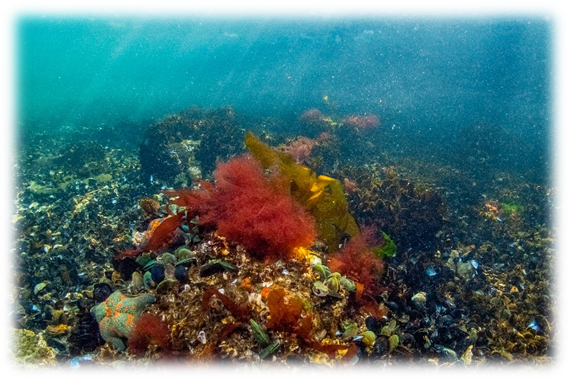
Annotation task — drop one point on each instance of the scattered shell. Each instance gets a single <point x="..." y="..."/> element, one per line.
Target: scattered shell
<point x="181" y="273"/>
<point x="101" y="291"/>
<point x="165" y="285"/>
<point x="201" y="337"/>
<point x="166" y="258"/>
<point x="186" y="262"/>
<point x="420" y="300"/>
<point x="184" y="253"/>
<point x="393" y="342"/>
<point x="368" y="338"/>
<point x="147" y="279"/>
<point x="157" y="272"/>
<point x="40" y="286"/>
<point x="350" y="330"/>
<point x="123" y="367"/>
<point x="137" y="282"/>
<point x="169" y="271"/>
<point x="143" y="259"/>
<point x="431" y="271"/>
<point x="449" y="354"/>
<point x="214" y="267"/>
<point x="467" y="356"/>
<point x="149" y="265"/>
<point x="389" y="329"/>
<point x="320" y="289"/>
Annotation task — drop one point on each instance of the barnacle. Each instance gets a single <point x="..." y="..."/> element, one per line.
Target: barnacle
<point x="149" y="205"/>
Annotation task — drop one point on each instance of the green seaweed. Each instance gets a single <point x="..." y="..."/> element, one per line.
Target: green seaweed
<point x="323" y="196"/>
<point x="511" y="208"/>
<point x="387" y="249"/>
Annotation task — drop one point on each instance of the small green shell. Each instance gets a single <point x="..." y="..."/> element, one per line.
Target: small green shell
<point x="137" y="282"/>
<point x="259" y="333"/>
<point x="183" y="252"/>
<point x="333" y="282"/>
<point x="215" y="266"/>
<point x="320" y="289"/>
<point x="393" y="342"/>
<point x="186" y="262"/>
<point x="368" y="338"/>
<point x="350" y="330"/>
<point x="270" y="350"/>
<point x="347" y="284"/>
<point x="166" y="258"/>
<point x="322" y="270"/>
<point x="165" y="286"/>
<point x="143" y="259"/>
<point x="147" y="280"/>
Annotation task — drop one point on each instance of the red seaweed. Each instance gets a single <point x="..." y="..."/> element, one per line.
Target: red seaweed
<point x="239" y="311"/>
<point x="250" y="208"/>
<point x="357" y="261"/>
<point x="149" y="329"/>
<point x="164" y="232"/>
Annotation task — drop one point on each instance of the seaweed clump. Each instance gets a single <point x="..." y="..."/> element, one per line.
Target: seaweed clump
<point x="358" y="261"/>
<point x="286" y="311"/>
<point x="323" y="196"/>
<point x="149" y="330"/>
<point x="250" y="208"/>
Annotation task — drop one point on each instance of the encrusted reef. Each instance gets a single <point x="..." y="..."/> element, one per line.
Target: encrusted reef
<point x="411" y="214"/>
<point x="186" y="146"/>
<point x="32" y="350"/>
<point x="212" y="245"/>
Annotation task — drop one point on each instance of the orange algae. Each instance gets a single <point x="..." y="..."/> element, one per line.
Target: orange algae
<point x="163" y="234"/>
<point x="149" y="329"/>
<point x="286" y="311"/>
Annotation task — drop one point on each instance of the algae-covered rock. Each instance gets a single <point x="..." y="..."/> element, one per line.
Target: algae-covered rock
<point x="31" y="349"/>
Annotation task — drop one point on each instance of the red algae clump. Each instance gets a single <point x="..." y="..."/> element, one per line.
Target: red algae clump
<point x="357" y="261"/>
<point x="149" y="329"/>
<point x="251" y="208"/>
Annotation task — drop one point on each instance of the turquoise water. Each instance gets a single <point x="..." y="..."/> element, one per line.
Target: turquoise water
<point x="430" y="80"/>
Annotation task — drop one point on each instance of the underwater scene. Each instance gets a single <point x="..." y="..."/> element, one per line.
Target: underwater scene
<point x="278" y="192"/>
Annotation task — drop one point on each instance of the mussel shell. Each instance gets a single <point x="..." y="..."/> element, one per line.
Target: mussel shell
<point x="101" y="291"/>
<point x="157" y="272"/>
<point x="181" y="274"/>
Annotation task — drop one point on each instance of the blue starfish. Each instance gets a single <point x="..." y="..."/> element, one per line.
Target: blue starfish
<point x="117" y="315"/>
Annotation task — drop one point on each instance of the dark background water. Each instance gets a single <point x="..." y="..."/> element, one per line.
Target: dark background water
<point x="442" y="87"/>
